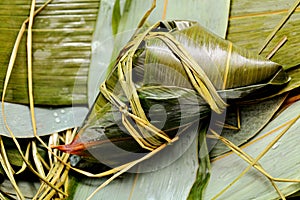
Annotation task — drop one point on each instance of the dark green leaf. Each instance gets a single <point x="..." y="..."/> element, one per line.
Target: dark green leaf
<point x="203" y="173"/>
<point x="116" y="16"/>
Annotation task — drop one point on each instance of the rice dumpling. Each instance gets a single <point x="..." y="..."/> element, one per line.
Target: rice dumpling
<point x="167" y="79"/>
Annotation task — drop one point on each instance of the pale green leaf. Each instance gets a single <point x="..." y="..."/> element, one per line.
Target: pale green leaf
<point x="250" y="125"/>
<point x="203" y="173"/>
<point x="158" y="184"/>
<point x="48" y="120"/>
<point x="281" y="161"/>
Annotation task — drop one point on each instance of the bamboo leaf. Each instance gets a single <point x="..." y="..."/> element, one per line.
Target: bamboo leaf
<point x="203" y="173"/>
<point x="294" y="73"/>
<point x="294" y="83"/>
<point x="158" y="184"/>
<point x="255" y="20"/>
<point x="28" y="188"/>
<point x="60" y="66"/>
<point x="62" y="35"/>
<point x="48" y="120"/>
<point x="250" y="126"/>
<point x="116" y="16"/>
<point x="281" y="162"/>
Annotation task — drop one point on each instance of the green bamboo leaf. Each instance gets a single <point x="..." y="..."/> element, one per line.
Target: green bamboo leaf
<point x="116" y="16"/>
<point x="203" y="173"/>
<point x="102" y="43"/>
<point x="158" y="184"/>
<point x="281" y="162"/>
<point x="28" y="188"/>
<point x="294" y="73"/>
<point x="62" y="35"/>
<point x="293" y="84"/>
<point x="48" y="120"/>
<point x="251" y="22"/>
<point x="250" y="126"/>
<point x="212" y="15"/>
<point x="12" y="153"/>
<point x="61" y="45"/>
<point x="221" y="69"/>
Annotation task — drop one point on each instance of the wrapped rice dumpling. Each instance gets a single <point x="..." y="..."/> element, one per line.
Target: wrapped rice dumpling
<point x="165" y="80"/>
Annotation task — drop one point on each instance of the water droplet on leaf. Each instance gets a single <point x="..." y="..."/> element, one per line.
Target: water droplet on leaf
<point x="57" y="120"/>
